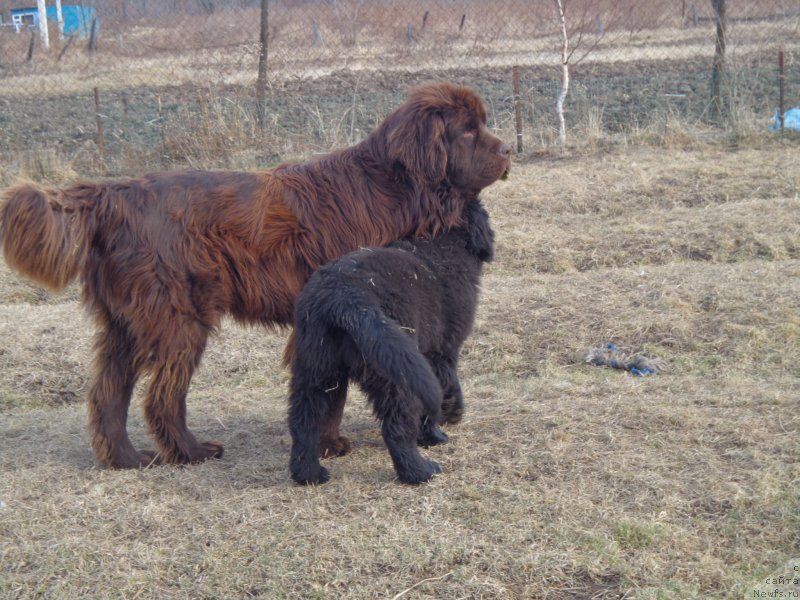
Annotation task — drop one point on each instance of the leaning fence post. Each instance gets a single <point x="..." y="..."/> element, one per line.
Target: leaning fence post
<point x="517" y="105"/>
<point x="31" y="46"/>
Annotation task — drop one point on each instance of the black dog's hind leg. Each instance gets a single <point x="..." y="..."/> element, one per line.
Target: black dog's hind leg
<point x="308" y="410"/>
<point x="400" y="415"/>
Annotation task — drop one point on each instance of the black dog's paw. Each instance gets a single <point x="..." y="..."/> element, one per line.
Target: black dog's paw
<point x="432" y="436"/>
<point x="312" y="476"/>
<point x="452" y="414"/>
<point x="424" y="471"/>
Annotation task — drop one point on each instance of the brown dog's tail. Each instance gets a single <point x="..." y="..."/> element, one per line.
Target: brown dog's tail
<point x="42" y="234"/>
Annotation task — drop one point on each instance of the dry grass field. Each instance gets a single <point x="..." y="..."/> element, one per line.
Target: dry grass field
<point x="564" y="480"/>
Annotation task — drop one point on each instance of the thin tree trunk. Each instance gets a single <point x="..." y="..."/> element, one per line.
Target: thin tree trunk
<point x="562" y="128"/>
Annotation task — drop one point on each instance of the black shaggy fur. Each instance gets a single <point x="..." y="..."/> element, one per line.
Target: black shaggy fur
<point x="394" y="320"/>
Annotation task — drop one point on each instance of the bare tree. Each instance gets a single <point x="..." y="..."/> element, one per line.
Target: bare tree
<point x="565" y="56"/>
<point x="567" y="52"/>
<point x="575" y="18"/>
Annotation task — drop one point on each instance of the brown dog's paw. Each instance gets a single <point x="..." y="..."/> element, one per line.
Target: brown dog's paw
<point x="149" y="458"/>
<point x="200" y="453"/>
<point x="213" y="449"/>
<point x="332" y="447"/>
<point x="134" y="459"/>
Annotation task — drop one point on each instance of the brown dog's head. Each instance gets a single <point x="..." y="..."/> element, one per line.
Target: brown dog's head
<point x="440" y="135"/>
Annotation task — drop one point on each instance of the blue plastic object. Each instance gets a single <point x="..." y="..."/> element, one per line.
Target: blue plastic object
<point x="791" y="120"/>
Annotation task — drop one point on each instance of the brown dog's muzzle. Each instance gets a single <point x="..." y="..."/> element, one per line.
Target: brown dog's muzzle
<point x="505" y="152"/>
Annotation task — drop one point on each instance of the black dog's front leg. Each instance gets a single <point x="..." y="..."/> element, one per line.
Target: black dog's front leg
<point x="453" y="405"/>
<point x="446" y="369"/>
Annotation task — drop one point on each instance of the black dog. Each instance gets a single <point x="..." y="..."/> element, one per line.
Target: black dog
<point x="394" y="320"/>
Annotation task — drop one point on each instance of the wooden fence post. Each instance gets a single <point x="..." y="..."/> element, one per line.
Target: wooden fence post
<point x="98" y="119"/>
<point x="718" y="66"/>
<point x="517" y="105"/>
<point x="781" y="88"/>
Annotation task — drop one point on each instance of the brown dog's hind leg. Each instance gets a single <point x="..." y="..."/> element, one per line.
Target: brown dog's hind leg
<point x="110" y="396"/>
<point x="165" y="400"/>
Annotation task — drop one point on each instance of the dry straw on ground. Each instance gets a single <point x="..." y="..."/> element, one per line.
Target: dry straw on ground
<point x="564" y="480"/>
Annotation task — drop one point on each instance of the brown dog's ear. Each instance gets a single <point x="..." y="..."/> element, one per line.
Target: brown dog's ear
<point x="417" y="142"/>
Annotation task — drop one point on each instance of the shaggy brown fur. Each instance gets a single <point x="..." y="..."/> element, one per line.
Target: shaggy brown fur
<point x="163" y="257"/>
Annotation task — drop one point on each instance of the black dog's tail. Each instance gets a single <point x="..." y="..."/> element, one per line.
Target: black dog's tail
<point x="385" y="346"/>
<point x="393" y="354"/>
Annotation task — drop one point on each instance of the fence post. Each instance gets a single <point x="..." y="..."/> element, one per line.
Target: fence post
<point x="263" y="55"/>
<point x="98" y="119"/>
<point x="163" y="132"/>
<point x="93" y="36"/>
<point x="31" y="46"/>
<point x="517" y="105"/>
<point x="718" y="67"/>
<point x="781" y="88"/>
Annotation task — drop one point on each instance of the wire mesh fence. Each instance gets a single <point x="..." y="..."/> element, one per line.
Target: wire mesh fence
<point x="151" y="84"/>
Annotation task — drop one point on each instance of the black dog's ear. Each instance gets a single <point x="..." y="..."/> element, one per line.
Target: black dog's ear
<point x="481" y="235"/>
<point x="417" y="142"/>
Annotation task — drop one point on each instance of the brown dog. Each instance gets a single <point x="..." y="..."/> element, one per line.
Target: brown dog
<point x="163" y="257"/>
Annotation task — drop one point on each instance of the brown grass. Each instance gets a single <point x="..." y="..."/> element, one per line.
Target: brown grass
<point x="564" y="480"/>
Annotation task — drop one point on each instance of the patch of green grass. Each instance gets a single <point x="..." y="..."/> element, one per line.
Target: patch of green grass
<point x="636" y="536"/>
